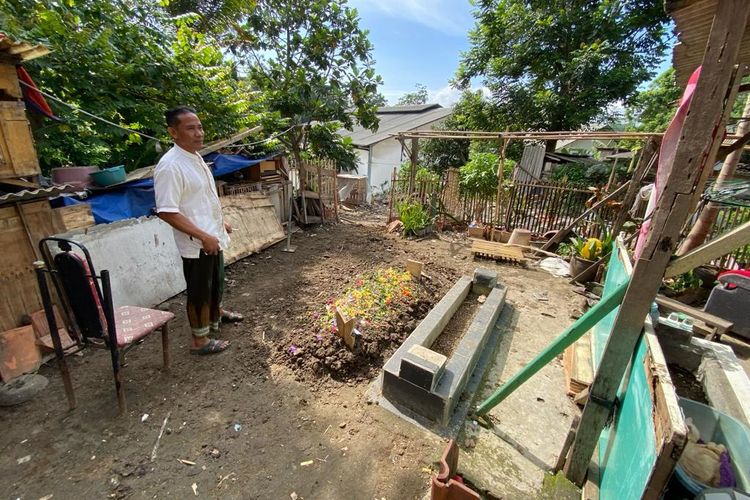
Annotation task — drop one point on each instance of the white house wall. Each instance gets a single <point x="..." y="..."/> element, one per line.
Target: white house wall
<point x="386" y="155"/>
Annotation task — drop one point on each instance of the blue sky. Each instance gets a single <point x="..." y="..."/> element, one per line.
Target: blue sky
<point x="417" y="41"/>
<point x="420" y="41"/>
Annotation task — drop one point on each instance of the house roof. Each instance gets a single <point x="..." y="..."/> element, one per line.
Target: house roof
<point x="20" y="51"/>
<point x="394" y="119"/>
<point x="693" y="19"/>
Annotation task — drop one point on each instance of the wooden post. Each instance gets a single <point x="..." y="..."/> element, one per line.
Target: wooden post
<point x="393" y="193"/>
<point x="704" y="124"/>
<point x="612" y="173"/>
<point x="319" y="171"/>
<point x="649" y="155"/>
<point x="413" y="159"/>
<point x="699" y="232"/>
<point x="700" y="184"/>
<point x="499" y="197"/>
<point x="335" y="194"/>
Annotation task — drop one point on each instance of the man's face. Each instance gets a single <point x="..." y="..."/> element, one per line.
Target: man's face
<point x="188" y="133"/>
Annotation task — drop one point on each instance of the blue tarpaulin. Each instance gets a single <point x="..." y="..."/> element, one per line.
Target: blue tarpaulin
<point x="136" y="199"/>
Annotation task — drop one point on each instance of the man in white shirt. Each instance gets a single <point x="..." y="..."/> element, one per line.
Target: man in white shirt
<point x="187" y="200"/>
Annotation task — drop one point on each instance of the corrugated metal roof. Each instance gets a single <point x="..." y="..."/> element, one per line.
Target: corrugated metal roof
<point x="414" y="108"/>
<point x="392" y="122"/>
<point x="21" y="51"/>
<point x="31" y="194"/>
<point x="693" y="19"/>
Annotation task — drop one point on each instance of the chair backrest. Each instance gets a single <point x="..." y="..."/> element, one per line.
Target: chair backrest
<point x="81" y="289"/>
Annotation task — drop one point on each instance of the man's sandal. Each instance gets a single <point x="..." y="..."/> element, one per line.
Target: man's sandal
<point x="231" y="317"/>
<point x="213" y="346"/>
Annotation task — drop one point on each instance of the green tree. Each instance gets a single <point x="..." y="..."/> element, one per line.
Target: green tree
<point x="652" y="109"/>
<point x="314" y="65"/>
<point x="479" y="175"/>
<point x="554" y="65"/>
<point x="126" y="62"/>
<point x="416" y="97"/>
<point x="214" y="16"/>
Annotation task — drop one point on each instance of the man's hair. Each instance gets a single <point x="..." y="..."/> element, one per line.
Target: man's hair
<point x="173" y="115"/>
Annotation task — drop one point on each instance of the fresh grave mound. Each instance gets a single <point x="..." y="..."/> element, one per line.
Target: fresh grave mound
<point x="387" y="305"/>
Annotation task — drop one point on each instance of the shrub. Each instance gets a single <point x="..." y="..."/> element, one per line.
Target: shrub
<point x="414" y="217"/>
<point x="479" y="175"/>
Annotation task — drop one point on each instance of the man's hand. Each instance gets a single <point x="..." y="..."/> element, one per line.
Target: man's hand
<point x="228" y="227"/>
<point x="211" y="245"/>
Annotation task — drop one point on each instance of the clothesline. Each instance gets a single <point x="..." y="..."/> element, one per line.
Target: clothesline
<point x="91" y="115"/>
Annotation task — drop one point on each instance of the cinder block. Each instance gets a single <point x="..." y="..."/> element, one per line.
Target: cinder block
<point x="422" y="367"/>
<point x="484" y="281"/>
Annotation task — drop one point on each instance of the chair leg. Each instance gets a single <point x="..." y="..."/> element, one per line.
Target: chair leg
<point x="165" y="345"/>
<point x="116" y="369"/>
<point x="54" y="333"/>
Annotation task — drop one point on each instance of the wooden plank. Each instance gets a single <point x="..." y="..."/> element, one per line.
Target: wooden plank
<point x="704" y="124"/>
<point x="74" y="217"/>
<point x="217" y="145"/>
<point x="722" y="326"/>
<point x="414" y="268"/>
<point x="579" y="365"/>
<point x="255" y="223"/>
<point x="9" y="81"/>
<point x="496" y="250"/>
<point x="17" y="152"/>
<point x="669" y="425"/>
<point x="724" y="244"/>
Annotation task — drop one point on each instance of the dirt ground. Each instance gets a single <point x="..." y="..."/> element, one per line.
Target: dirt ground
<point x="254" y="424"/>
<point x="260" y="421"/>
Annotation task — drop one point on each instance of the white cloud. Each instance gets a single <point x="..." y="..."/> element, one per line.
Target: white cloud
<point x="441" y="15"/>
<point x="448" y="96"/>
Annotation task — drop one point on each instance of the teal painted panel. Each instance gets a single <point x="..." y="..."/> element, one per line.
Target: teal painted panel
<point x="616" y="275"/>
<point x="627" y="448"/>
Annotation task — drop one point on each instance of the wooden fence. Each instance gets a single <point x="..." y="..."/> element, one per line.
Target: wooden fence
<point x="537" y="206"/>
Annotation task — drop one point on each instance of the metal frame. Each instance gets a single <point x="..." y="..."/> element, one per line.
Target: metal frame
<point x="109" y="337"/>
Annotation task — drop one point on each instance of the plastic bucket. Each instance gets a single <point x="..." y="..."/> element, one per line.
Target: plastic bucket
<point x="720" y="428"/>
<point x="109" y="176"/>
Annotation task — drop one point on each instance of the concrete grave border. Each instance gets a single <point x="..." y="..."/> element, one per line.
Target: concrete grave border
<point x="424" y="381"/>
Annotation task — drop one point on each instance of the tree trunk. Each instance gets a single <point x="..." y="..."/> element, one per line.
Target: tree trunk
<point x="707" y="217"/>
<point x="550" y="145"/>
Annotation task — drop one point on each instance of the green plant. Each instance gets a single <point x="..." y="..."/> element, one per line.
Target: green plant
<point x="423" y="174"/>
<point x="479" y="175"/>
<point x="589" y="248"/>
<point x="413" y="216"/>
<point x="685" y="281"/>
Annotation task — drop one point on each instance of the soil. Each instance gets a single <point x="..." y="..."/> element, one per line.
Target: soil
<point x="451" y="335"/>
<point x="686" y="385"/>
<point x="252" y="422"/>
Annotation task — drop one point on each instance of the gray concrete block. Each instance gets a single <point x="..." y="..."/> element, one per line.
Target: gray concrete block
<point x="484" y="281"/>
<point x="433" y="324"/>
<point x="422" y="367"/>
<point x="403" y="393"/>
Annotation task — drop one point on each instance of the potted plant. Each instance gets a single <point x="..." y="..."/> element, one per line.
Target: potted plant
<point x="584" y="254"/>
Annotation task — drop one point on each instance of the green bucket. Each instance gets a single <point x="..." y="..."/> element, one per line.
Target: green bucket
<point x="109" y="176"/>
